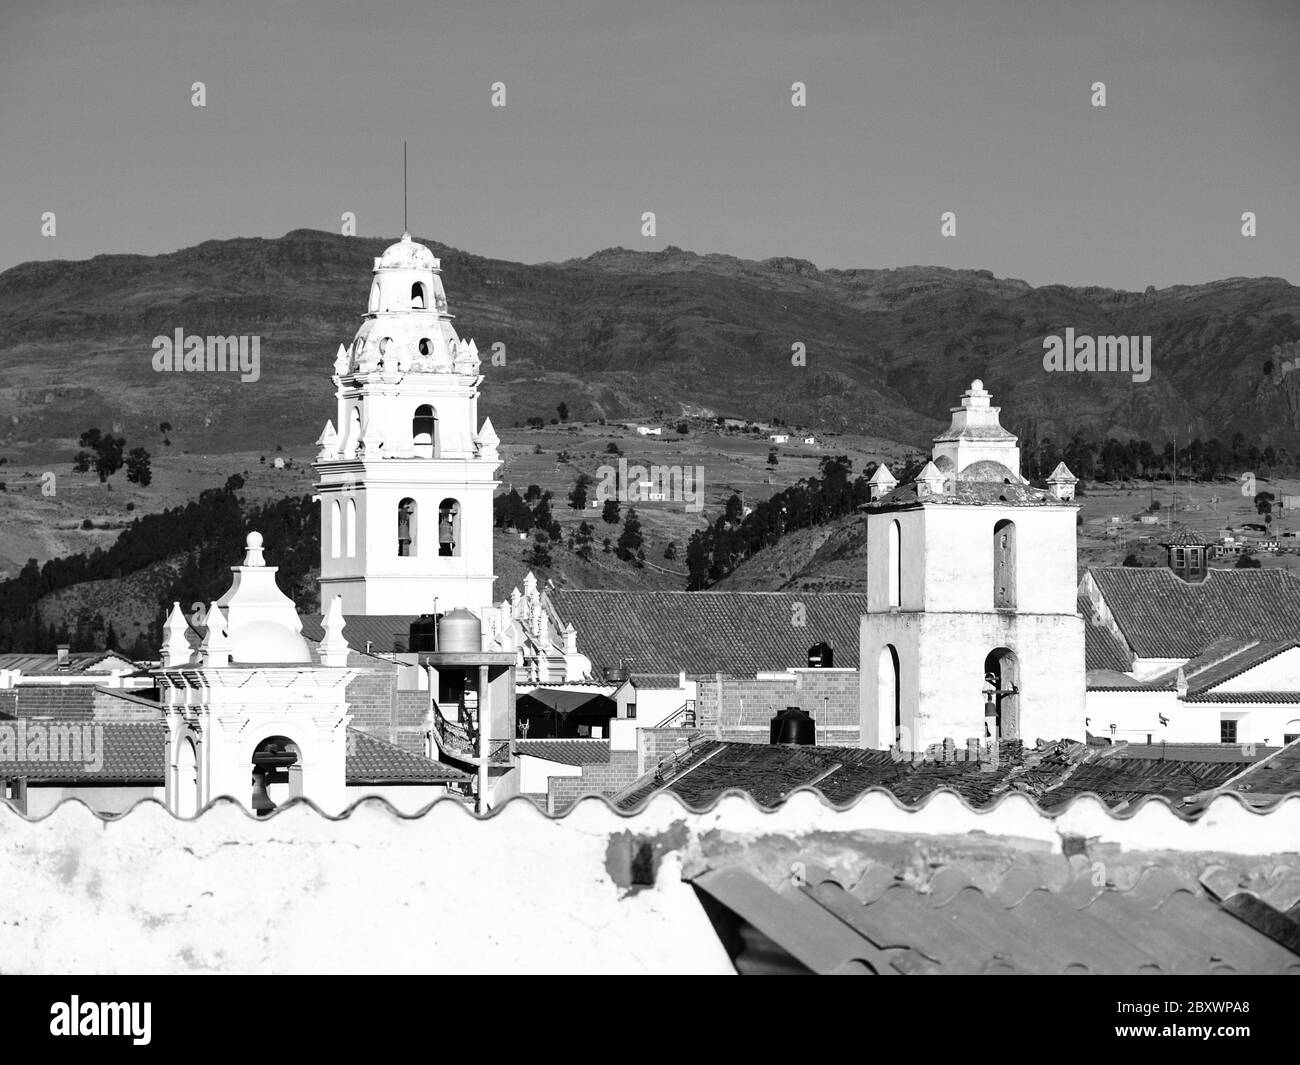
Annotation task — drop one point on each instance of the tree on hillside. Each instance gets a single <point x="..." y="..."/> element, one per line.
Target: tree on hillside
<point x="1247" y="562"/>
<point x="771" y="457"/>
<point x="697" y="562"/>
<point x="629" y="540"/>
<point x="540" y="552"/>
<point x="138" y="470"/>
<point x="670" y="552"/>
<point x="543" y="518"/>
<point x="735" y="509"/>
<point x="578" y="495"/>
<point x="582" y="542"/>
<point x="101" y="452"/>
<point x="509" y="511"/>
<point x="563" y="411"/>
<point x="532" y="493"/>
<point x="609" y="512"/>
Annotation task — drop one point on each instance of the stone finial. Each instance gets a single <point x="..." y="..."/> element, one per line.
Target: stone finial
<point x="328" y="442"/>
<point x="342" y="361"/>
<point x="530" y="586"/>
<point x="334" y="648"/>
<point x="253" y="550"/>
<point x="882" y="482"/>
<point x="930" y="480"/>
<point x="1061" y="482"/>
<point x="570" y="639"/>
<point x="215" y="648"/>
<point x="176" y="648"/>
<point x="487" y="442"/>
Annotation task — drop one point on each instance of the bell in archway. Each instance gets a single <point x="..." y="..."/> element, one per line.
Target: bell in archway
<point x="262" y="804"/>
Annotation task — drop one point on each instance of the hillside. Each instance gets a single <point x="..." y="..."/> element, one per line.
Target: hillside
<point x="620" y="334"/>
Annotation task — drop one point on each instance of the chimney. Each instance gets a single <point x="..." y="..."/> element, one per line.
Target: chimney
<point x="63" y="662"/>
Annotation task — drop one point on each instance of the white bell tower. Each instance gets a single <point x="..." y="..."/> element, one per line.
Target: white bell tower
<point x="406" y="479"/>
<point x="972" y="628"/>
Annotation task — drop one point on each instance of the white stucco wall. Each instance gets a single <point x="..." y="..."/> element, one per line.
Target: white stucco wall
<point x="517" y="892"/>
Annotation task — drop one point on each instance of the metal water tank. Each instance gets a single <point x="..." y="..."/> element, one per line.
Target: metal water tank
<point x="460" y="631"/>
<point x="424" y="633"/>
<point x="792" y="725"/>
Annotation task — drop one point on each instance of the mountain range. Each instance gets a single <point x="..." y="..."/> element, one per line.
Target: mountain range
<point x="621" y="334"/>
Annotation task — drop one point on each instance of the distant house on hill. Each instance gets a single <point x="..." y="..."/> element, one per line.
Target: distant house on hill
<point x="779" y="438"/>
<point x="648" y="430"/>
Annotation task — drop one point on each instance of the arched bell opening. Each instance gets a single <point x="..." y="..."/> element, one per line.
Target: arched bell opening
<point x="272" y="759"/>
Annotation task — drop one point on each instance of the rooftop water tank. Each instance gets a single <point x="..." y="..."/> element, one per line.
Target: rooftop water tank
<point x="460" y="631"/>
<point x="821" y="656"/>
<point x="792" y="725"/>
<point x="424" y="633"/>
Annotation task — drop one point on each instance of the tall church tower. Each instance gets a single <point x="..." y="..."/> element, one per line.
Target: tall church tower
<point x="972" y="627"/>
<point x="406" y="479"/>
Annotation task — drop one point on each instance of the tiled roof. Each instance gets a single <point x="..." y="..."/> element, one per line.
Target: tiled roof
<point x="1162" y="616"/>
<point x="134" y="752"/>
<point x="1241" y="754"/>
<point x="1052" y="775"/>
<point x="1271" y="777"/>
<point x="1101" y="648"/>
<point x="710" y="632"/>
<point x="892" y="918"/>
<point x="80" y="662"/>
<point x="108" y="752"/>
<point x="1182" y="536"/>
<point x="1244" y="697"/>
<point x="653" y="681"/>
<point x="371" y="760"/>
<point x="769" y="773"/>
<point x="1222" y="660"/>
<point x="968" y="493"/>
<point x="1124" y="781"/>
<point x="567" y="752"/>
<point x="385" y="633"/>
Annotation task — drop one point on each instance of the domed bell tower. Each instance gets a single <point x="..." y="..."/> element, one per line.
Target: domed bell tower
<point x="405" y="473"/>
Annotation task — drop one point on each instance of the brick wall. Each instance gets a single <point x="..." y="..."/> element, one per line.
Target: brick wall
<point x="606" y="778"/>
<point x="741" y="708"/>
<point x="372" y="697"/>
<point x="656" y="744"/>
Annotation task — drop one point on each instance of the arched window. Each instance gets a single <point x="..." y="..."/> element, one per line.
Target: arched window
<point x="1004" y="565"/>
<point x="1002" y="694"/>
<point x="354" y="433"/>
<point x="374" y="297"/>
<point x="424" y="432"/>
<point x="449" y="527"/>
<point x="406" y="528"/>
<point x="272" y="760"/>
<point x="889" y="702"/>
<point x="350" y="527"/>
<point x="895" y="564"/>
<point x="336" y="529"/>
<point x="419" y="297"/>
<point x="187" y="779"/>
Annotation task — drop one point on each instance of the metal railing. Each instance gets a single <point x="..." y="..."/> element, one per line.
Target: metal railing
<point x="682" y="717"/>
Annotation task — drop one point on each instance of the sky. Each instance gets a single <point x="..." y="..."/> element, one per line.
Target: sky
<point x="678" y="107"/>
